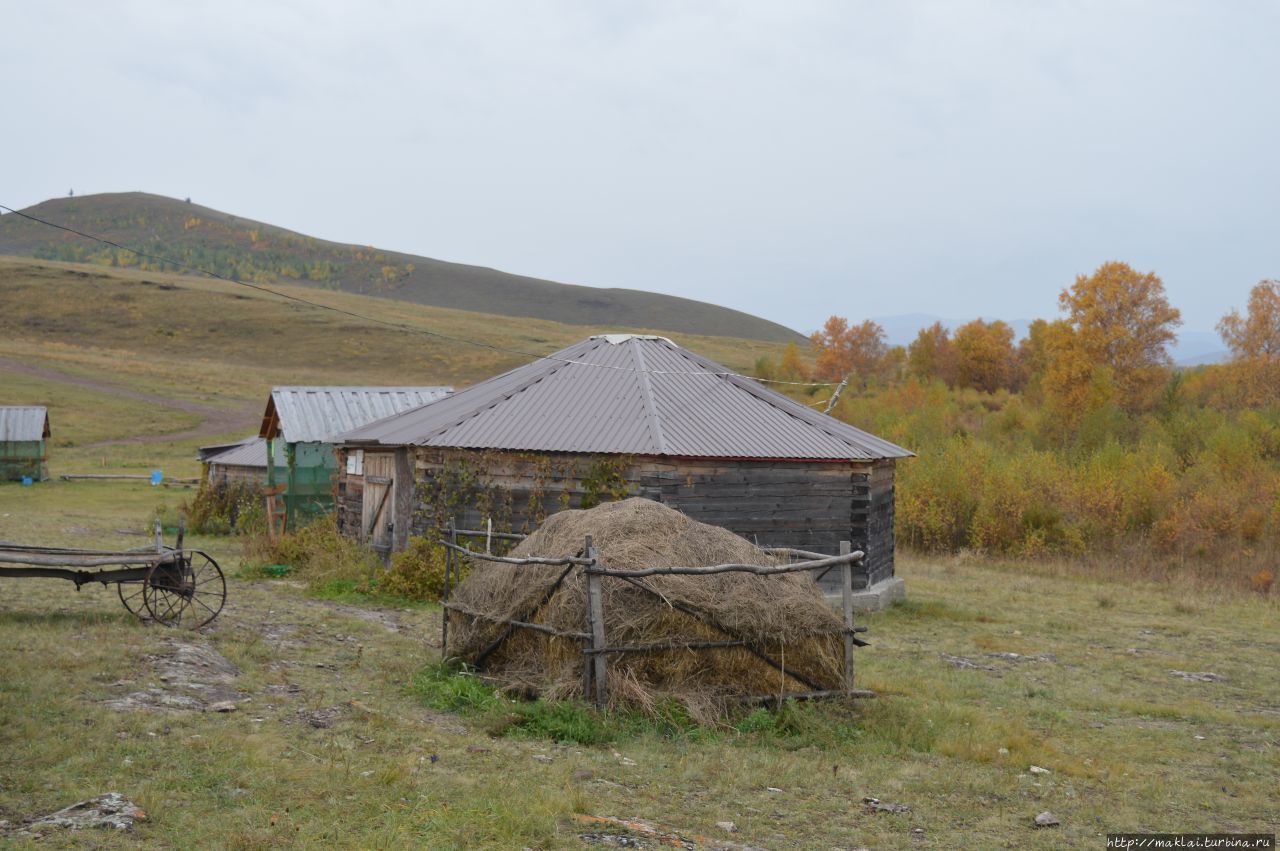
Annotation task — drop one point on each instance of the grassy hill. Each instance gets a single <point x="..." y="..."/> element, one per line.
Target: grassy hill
<point x="142" y="357"/>
<point x="247" y="250"/>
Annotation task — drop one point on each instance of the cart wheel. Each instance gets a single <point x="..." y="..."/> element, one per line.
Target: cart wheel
<point x="187" y="592"/>
<point x="131" y="594"/>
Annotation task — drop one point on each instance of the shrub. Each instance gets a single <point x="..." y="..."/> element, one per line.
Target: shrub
<point x="225" y="508"/>
<point x="418" y="571"/>
<point x="317" y="554"/>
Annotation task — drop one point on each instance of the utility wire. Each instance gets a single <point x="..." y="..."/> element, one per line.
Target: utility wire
<point x="397" y="325"/>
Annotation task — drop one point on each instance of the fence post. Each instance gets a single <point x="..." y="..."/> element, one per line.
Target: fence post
<point x="846" y="595"/>
<point x="596" y="662"/>
<point x="448" y="575"/>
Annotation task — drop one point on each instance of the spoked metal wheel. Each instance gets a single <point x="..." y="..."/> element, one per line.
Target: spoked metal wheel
<point x="131" y="595"/>
<point x="187" y="592"/>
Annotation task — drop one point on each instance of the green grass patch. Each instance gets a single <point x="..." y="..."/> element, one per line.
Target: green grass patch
<point x="452" y="689"/>
<point x="361" y="593"/>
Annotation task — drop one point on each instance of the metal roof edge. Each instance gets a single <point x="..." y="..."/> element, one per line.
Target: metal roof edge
<point x="795" y="409"/>
<point x="540" y="367"/>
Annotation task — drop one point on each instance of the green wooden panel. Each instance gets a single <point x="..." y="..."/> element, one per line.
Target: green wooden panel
<point x="20" y="458"/>
<point x="311" y="479"/>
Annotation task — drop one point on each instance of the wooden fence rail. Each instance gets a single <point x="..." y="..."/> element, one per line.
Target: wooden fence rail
<point x="596" y="648"/>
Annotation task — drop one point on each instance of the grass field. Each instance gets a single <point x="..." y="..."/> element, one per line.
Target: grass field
<point x="331" y="746"/>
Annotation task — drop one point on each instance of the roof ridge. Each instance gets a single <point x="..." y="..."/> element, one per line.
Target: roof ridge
<point x="646" y="393"/>
<point x="472" y="413"/>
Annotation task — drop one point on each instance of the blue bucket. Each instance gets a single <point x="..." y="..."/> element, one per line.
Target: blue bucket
<point x="156" y="477"/>
<point x="26" y="481"/>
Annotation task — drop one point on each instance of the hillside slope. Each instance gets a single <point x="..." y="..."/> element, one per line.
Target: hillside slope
<point x="252" y="251"/>
<point x="166" y="362"/>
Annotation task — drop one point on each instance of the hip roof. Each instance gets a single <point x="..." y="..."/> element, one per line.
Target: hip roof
<point x="626" y="394"/>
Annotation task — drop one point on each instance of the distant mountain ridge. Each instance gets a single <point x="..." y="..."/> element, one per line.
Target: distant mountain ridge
<point x="244" y="249"/>
<point x="1192" y="348"/>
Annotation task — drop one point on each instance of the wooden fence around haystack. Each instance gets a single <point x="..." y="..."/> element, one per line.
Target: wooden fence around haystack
<point x="596" y="650"/>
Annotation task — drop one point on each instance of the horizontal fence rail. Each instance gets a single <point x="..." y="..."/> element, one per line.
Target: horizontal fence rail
<point x="482" y="533"/>
<point x="711" y="570"/>
<point x="553" y="562"/>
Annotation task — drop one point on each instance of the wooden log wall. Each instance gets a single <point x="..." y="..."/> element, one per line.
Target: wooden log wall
<point x="806" y="505"/>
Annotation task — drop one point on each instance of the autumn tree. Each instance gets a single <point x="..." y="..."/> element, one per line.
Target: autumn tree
<point x="1075" y="386"/>
<point x="1122" y="321"/>
<point x="1254" y="341"/>
<point x="844" y="349"/>
<point x="1032" y="357"/>
<point x="984" y="355"/>
<point x="931" y="354"/>
<point x="790" y="367"/>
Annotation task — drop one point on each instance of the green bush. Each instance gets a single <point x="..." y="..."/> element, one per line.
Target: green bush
<point x="226" y="508"/>
<point x="418" y="570"/>
<point x="316" y="554"/>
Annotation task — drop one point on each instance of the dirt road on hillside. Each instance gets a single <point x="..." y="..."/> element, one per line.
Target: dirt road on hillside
<point x="216" y="420"/>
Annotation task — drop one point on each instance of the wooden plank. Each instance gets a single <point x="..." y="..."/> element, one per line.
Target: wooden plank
<point x="402" y="500"/>
<point x="846" y="594"/>
<point x="595" y="604"/>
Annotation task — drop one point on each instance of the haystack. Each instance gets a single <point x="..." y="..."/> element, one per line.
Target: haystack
<point x="793" y="637"/>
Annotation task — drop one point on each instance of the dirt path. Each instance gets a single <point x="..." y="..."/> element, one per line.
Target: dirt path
<point x="216" y="420"/>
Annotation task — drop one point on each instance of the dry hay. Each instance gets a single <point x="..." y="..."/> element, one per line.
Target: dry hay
<point x="784" y="617"/>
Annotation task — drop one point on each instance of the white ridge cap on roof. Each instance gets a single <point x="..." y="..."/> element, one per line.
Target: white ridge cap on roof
<point x="619" y="339"/>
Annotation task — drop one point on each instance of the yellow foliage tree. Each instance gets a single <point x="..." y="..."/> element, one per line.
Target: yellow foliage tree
<point x="931" y="354"/>
<point x="790" y="367"/>
<point x="1121" y="320"/>
<point x="984" y="355"/>
<point x="1254" y="341"/>
<point x="844" y="349"/>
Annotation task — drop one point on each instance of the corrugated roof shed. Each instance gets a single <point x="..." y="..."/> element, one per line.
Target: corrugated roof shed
<point x="633" y="395"/>
<point x="319" y="414"/>
<point x="19" y="423"/>
<point x="250" y="452"/>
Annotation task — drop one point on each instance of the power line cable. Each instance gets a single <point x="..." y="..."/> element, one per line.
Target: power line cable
<point x="397" y="325"/>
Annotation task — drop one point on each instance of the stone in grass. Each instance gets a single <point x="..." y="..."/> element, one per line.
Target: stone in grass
<point x="1047" y="819"/>
<point x="875" y="805"/>
<point x="112" y="810"/>
<point x="222" y="706"/>
<point x="1198" y="676"/>
<point x="727" y="826"/>
<point x="1035" y="769"/>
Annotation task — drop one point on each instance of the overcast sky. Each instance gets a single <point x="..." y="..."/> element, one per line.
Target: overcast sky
<point x="790" y="159"/>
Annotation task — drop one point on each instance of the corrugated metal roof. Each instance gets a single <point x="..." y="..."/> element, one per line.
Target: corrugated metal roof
<point x="628" y="395"/>
<point x="250" y="452"/>
<point x="319" y="414"/>
<point x="24" y="422"/>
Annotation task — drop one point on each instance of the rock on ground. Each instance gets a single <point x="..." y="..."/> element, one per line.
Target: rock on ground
<point x="112" y="810"/>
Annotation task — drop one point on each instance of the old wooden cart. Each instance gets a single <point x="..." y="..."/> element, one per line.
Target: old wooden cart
<point x="169" y="585"/>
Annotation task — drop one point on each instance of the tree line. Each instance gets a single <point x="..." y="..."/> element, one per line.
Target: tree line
<point x="1110" y="347"/>
<point x="1082" y="439"/>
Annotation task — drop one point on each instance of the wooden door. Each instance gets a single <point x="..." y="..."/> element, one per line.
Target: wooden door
<point x="379" y="499"/>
